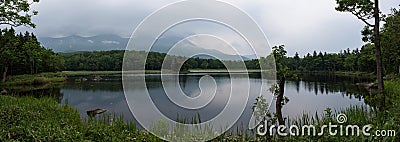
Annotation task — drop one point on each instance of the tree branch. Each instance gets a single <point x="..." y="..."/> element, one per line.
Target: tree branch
<point x="8" y="23"/>
<point x="362" y="19"/>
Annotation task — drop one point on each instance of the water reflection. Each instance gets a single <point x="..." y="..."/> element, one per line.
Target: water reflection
<point x="310" y="94"/>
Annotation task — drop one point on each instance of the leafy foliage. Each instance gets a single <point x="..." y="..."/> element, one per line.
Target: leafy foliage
<point x="348" y="60"/>
<point x="23" y="54"/>
<point x="391" y="43"/>
<point x="17" y="13"/>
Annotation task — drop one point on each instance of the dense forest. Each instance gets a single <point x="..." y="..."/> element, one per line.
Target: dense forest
<point x="112" y="61"/>
<point x="348" y="60"/>
<point x="23" y="54"/>
<point x="362" y="60"/>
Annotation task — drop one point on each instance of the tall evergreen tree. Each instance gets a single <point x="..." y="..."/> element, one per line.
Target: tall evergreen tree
<point x="365" y="10"/>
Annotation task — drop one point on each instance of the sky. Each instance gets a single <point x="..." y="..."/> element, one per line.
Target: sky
<point x="301" y="25"/>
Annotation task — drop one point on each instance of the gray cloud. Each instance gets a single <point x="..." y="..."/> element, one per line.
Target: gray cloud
<point x="302" y="25"/>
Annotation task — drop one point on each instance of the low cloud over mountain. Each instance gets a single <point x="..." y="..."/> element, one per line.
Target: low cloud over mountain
<point x="76" y="43"/>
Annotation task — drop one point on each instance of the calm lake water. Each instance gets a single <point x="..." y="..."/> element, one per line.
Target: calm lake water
<point x="309" y="95"/>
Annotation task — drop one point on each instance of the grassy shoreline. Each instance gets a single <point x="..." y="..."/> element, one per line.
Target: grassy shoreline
<point x="59" y="77"/>
<point x="35" y="79"/>
<point x="338" y="73"/>
<point x="222" y="71"/>
<point x="77" y="73"/>
<point x="43" y="119"/>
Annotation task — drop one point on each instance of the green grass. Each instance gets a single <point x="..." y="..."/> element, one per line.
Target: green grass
<point x="34" y="79"/>
<point x="393" y="87"/>
<point x="221" y="70"/>
<point x="31" y="119"/>
<point x="43" y="119"/>
<point x="339" y="73"/>
<point x="75" y="73"/>
<point x="56" y="78"/>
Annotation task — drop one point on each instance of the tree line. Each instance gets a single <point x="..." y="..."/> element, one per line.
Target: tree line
<point x="363" y="59"/>
<point x="360" y="60"/>
<point x="346" y="60"/>
<point x="23" y="54"/>
<point x="113" y="60"/>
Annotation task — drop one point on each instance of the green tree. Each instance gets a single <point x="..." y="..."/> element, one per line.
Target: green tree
<point x="8" y="51"/>
<point x="32" y="57"/>
<point x="350" y="62"/>
<point x="366" y="10"/>
<point x="296" y="60"/>
<point x="22" y="54"/>
<point x="279" y="54"/>
<point x="367" y="58"/>
<point x="17" y="13"/>
<point x="391" y="42"/>
<point x="204" y="65"/>
<point x="13" y="13"/>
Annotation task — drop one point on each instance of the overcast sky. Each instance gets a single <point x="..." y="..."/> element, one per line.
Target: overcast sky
<point x="302" y="25"/>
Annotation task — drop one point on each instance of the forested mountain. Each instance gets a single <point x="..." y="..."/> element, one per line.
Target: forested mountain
<point x="76" y="43"/>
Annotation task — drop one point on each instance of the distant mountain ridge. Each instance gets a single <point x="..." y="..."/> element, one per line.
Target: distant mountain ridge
<point x="76" y="43"/>
<point x="108" y="42"/>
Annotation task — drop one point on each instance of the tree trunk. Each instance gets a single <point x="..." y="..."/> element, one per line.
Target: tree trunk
<point x="378" y="46"/>
<point x="378" y="52"/>
<point x="5" y="74"/>
<point x="279" y="100"/>
<point x="31" y="69"/>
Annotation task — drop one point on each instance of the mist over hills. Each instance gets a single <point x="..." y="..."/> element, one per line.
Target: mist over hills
<point x="76" y="43"/>
<point x="108" y="42"/>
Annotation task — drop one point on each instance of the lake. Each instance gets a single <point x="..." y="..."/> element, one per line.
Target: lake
<point x="308" y="95"/>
